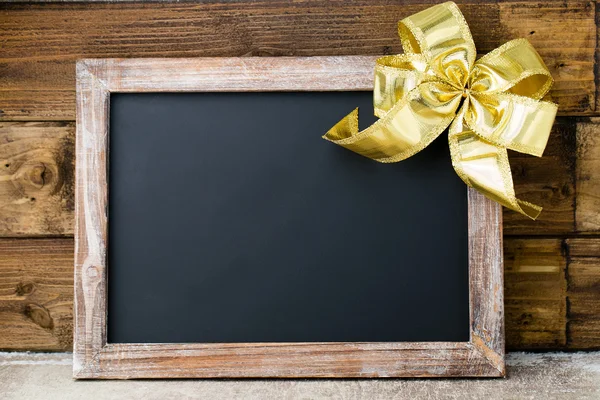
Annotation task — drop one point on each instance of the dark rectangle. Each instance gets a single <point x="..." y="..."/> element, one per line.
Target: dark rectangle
<point x="231" y="220"/>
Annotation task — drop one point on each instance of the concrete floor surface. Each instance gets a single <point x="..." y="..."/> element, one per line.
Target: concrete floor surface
<point x="531" y="376"/>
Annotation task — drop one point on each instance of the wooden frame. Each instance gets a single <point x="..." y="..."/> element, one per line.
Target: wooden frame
<point x="93" y="357"/>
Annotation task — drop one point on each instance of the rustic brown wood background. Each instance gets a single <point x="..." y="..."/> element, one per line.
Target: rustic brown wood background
<point x="552" y="266"/>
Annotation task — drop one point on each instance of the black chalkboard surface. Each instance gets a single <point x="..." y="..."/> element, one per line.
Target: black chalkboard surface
<point x="231" y="220"/>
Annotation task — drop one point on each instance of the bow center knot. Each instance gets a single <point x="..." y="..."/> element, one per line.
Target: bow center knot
<point x="466" y="92"/>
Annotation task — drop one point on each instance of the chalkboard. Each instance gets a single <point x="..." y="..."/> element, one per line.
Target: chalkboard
<point x="231" y="220"/>
<point x="217" y="235"/>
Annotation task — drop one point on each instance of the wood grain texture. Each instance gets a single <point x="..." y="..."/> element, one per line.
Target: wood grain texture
<point x="563" y="33"/>
<point x="486" y="279"/>
<point x="535" y="293"/>
<point x="235" y="74"/>
<point x="91" y="217"/>
<point x="597" y="56"/>
<point x="584" y="293"/>
<point x="41" y="42"/>
<point x="548" y="181"/>
<point x="36" y="178"/>
<point x="588" y="176"/>
<point x="36" y="294"/>
<point x="93" y="357"/>
<point x="289" y="360"/>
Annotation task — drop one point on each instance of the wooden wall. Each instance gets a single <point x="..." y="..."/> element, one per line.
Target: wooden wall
<point x="552" y="265"/>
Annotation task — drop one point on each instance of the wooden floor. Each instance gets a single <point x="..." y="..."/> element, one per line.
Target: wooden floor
<point x="552" y="265"/>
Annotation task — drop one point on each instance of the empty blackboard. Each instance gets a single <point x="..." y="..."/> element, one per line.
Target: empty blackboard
<point x="218" y="236"/>
<point x="231" y="220"/>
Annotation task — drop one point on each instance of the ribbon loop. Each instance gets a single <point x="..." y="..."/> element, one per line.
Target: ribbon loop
<point x="515" y="67"/>
<point x="395" y="76"/>
<point x="516" y="122"/>
<point x="416" y="96"/>
<point x="442" y="35"/>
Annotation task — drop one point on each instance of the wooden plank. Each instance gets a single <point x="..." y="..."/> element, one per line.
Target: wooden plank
<point x="548" y="181"/>
<point x="597" y="58"/>
<point x="584" y="293"/>
<point x="289" y="360"/>
<point x="39" y="272"/>
<point x="588" y="179"/>
<point x="91" y="150"/>
<point x="41" y="105"/>
<point x="535" y="293"/>
<point x="564" y="35"/>
<point x="243" y="74"/>
<point x="35" y="149"/>
<point x="36" y="178"/>
<point x="42" y="41"/>
<point x="486" y="282"/>
<point x="36" y="294"/>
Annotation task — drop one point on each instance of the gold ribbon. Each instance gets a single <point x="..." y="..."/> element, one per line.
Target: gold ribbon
<point x="418" y="94"/>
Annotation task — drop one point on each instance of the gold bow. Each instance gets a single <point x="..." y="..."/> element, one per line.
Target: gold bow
<point x="417" y="94"/>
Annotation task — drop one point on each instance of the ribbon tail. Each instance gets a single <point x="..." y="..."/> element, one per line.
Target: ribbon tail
<point x="515" y="68"/>
<point x="409" y="126"/>
<point x="484" y="166"/>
